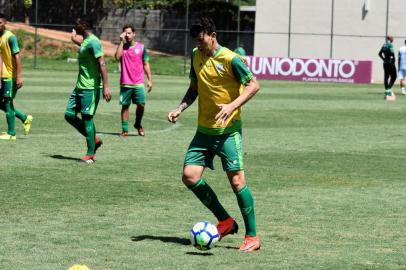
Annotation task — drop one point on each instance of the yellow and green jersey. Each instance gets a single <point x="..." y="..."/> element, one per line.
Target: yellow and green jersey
<point x="89" y="76"/>
<point x="8" y="48"/>
<point x="220" y="80"/>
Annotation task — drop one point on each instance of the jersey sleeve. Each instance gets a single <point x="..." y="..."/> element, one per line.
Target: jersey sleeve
<point x="240" y="70"/>
<point x="145" y="56"/>
<point x="192" y="73"/>
<point x="96" y="48"/>
<point x="13" y="43"/>
<point x="391" y="49"/>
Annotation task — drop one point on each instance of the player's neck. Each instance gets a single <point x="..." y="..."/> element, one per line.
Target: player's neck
<point x="215" y="48"/>
<point x="86" y="34"/>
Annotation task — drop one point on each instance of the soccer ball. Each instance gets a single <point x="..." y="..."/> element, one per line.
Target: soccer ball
<point x="204" y="235"/>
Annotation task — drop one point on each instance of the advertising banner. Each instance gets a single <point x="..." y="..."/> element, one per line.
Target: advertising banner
<point x="311" y="70"/>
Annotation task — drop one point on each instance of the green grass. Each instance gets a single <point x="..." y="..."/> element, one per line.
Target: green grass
<point x="325" y="163"/>
<point x="162" y="65"/>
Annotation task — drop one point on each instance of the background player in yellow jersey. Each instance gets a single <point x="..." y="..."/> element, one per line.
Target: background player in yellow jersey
<point x="11" y="81"/>
<point x="223" y="84"/>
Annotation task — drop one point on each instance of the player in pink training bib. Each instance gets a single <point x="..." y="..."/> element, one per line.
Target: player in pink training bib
<point x="134" y="61"/>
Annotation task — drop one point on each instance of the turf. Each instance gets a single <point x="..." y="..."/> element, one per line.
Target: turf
<point x="325" y="163"/>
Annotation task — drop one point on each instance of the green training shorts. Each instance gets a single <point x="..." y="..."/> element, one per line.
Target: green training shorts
<point x="8" y="88"/>
<point x="228" y="147"/>
<point x="83" y="101"/>
<point x="135" y="94"/>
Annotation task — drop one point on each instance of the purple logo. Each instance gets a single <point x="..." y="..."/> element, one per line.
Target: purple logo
<point x="314" y="70"/>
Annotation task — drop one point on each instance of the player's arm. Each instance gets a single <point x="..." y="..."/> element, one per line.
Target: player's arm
<point x="75" y="39"/>
<point x="106" y="86"/>
<point x="399" y="60"/>
<point x="392" y="55"/>
<point x="190" y="96"/>
<point x="19" y="80"/>
<point x="188" y="99"/>
<point x="1" y="67"/>
<point x="119" y="51"/>
<point x="381" y="55"/>
<point x="147" y="70"/>
<point x="251" y="87"/>
<point x="15" y="54"/>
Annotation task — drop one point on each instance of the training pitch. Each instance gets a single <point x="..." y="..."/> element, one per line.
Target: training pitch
<point x="325" y="162"/>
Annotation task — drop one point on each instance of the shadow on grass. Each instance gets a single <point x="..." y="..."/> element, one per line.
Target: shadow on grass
<point x="64" y="157"/>
<point x="199" y="253"/>
<point x="116" y="134"/>
<point x="165" y="239"/>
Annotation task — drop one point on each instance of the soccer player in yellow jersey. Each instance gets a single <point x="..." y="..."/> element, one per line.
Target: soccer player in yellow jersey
<point x="223" y="84"/>
<point x="11" y="81"/>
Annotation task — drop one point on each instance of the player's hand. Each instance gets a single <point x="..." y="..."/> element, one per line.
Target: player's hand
<point x="122" y="37"/>
<point x="73" y="34"/>
<point x="225" y="111"/>
<point x="107" y="94"/>
<point x="149" y="86"/>
<point x="174" y="115"/>
<point x="19" y="83"/>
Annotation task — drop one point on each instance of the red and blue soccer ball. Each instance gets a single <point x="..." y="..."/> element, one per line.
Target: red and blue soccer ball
<point x="204" y="235"/>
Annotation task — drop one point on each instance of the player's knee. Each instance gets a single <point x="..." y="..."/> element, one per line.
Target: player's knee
<point x="189" y="178"/>
<point x="237" y="182"/>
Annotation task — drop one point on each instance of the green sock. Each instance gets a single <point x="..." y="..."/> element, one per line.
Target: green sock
<point x="77" y="123"/>
<point x="90" y="134"/>
<point x="207" y="196"/>
<point x="124" y="126"/>
<point x="10" y="116"/>
<point x="20" y="115"/>
<point x="246" y="204"/>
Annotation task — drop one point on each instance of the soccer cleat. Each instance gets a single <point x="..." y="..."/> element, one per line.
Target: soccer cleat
<point x="140" y="130"/>
<point x="250" y="244"/>
<point x="389" y="95"/>
<point x="98" y="143"/>
<point x="27" y="124"/>
<point x="228" y="226"/>
<point x="124" y="134"/>
<point x="8" y="137"/>
<point x="89" y="159"/>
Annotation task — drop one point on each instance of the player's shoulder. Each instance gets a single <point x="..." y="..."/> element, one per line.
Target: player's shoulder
<point x="227" y="54"/>
<point x="8" y="34"/>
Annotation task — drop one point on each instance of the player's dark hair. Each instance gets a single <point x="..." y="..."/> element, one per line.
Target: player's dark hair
<point x="129" y="26"/>
<point x="2" y="16"/>
<point x="84" y="23"/>
<point x="205" y="25"/>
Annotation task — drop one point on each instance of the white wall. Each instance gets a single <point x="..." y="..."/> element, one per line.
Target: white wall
<point x="356" y="35"/>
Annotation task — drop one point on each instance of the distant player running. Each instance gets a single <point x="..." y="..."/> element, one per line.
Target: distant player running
<point x="11" y="81"/>
<point x="91" y="79"/>
<point x="402" y="68"/>
<point x="134" y="61"/>
<point x="387" y="54"/>
<point x="223" y="84"/>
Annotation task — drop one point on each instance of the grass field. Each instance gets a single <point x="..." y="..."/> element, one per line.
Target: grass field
<point x="326" y="164"/>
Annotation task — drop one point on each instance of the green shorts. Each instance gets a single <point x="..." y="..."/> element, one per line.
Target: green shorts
<point x="84" y="101"/>
<point x="8" y="88"/>
<point x="228" y="147"/>
<point x="135" y="94"/>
